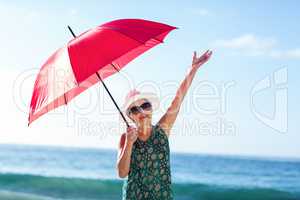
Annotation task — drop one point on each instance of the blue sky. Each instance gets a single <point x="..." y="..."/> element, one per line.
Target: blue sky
<point x="250" y="42"/>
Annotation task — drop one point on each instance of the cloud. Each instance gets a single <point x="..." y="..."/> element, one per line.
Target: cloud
<point x="248" y="43"/>
<point x="252" y="45"/>
<point x="200" y="11"/>
<point x="291" y="53"/>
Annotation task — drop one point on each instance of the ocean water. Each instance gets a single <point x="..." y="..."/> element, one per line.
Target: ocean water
<point x="52" y="173"/>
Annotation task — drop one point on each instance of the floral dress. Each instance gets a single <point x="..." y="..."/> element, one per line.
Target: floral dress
<point x="149" y="176"/>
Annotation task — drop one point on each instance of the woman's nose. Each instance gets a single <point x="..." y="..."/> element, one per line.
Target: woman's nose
<point x="142" y="113"/>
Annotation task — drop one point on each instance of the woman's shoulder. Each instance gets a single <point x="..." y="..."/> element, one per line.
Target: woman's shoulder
<point x="158" y="127"/>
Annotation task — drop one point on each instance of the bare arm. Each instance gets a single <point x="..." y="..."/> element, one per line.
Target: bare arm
<point x="124" y="152"/>
<point x="167" y="120"/>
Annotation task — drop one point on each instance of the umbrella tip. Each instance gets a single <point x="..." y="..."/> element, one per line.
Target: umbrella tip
<point x="70" y="29"/>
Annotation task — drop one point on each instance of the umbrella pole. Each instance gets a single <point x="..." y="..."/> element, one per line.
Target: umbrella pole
<point x="112" y="99"/>
<point x="105" y="86"/>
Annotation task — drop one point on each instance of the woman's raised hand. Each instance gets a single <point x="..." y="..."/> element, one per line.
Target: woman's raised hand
<point x="197" y="62"/>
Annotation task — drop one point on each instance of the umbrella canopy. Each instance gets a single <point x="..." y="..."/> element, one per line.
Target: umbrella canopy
<point x="92" y="56"/>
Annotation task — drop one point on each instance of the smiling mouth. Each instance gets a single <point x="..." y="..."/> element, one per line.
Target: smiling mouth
<point x="143" y="117"/>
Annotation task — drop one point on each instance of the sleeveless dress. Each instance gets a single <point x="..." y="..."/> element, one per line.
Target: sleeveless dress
<point x="149" y="176"/>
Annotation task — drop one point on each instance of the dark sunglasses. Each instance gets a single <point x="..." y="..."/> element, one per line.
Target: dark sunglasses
<point x="136" y="109"/>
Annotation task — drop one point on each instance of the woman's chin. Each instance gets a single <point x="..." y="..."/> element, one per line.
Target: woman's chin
<point x="144" y="120"/>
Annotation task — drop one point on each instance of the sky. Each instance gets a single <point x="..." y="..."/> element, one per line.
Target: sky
<point x="244" y="101"/>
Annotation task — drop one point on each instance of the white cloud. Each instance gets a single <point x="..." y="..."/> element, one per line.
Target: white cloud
<point x="248" y="43"/>
<point x="201" y="12"/>
<point x="291" y="53"/>
<point x="252" y="45"/>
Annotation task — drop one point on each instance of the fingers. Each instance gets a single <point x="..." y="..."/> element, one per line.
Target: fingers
<point x="131" y="135"/>
<point x="209" y="53"/>
<point x="131" y="129"/>
<point x="206" y="54"/>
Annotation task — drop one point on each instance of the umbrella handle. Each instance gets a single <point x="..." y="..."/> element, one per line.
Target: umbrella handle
<point x="105" y="86"/>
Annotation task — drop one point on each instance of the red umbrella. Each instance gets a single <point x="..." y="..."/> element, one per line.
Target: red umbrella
<point x="91" y="57"/>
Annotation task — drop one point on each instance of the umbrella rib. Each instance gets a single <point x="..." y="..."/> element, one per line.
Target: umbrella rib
<point x="127" y="36"/>
<point x="158" y="40"/>
<point x="134" y="38"/>
<point x="138" y="40"/>
<point x="65" y="99"/>
<point x="115" y="67"/>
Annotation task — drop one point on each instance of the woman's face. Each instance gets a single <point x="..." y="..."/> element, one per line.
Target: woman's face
<point x="142" y="117"/>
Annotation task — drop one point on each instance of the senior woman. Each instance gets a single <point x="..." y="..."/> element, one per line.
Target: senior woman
<point x="144" y="154"/>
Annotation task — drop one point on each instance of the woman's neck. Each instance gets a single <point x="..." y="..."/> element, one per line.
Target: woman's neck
<point x="144" y="130"/>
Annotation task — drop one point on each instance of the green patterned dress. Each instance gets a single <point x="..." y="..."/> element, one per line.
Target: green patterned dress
<point x="149" y="176"/>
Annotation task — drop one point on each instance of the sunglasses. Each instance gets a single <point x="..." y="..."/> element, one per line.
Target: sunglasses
<point x="136" y="109"/>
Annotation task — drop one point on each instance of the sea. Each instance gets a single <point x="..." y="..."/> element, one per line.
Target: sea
<point x="32" y="172"/>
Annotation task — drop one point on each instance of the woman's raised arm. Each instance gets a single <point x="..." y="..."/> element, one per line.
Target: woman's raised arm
<point x="167" y="120"/>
